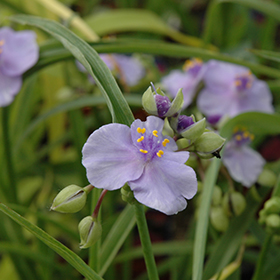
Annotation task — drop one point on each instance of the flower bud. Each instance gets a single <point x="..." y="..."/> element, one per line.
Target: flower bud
<point x="219" y="219"/>
<point x="272" y="222"/>
<point x="70" y="200"/>
<point x="209" y="144"/>
<point x="217" y="196"/>
<point x="267" y="178"/>
<point x="90" y="231"/>
<point x="158" y="104"/>
<point x="234" y="203"/>
<point x="195" y="130"/>
<point x="127" y="194"/>
<point x="272" y="206"/>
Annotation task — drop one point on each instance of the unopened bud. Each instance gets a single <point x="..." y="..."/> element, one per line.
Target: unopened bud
<point x="127" y="194"/>
<point x="70" y="200"/>
<point x="217" y="196"/>
<point x="158" y="104"/>
<point x="273" y="222"/>
<point x="194" y="131"/>
<point x="209" y="144"/>
<point x="219" y="219"/>
<point x="234" y="203"/>
<point x="90" y="231"/>
<point x="267" y="178"/>
<point x="272" y="206"/>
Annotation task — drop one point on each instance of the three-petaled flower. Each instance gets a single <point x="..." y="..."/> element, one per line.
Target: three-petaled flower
<point x="243" y="163"/>
<point x="232" y="89"/>
<point x="144" y="159"/>
<point x="18" y="52"/>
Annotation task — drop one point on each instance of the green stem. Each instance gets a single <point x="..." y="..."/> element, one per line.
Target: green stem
<point x="94" y="261"/>
<point x="145" y="241"/>
<point x="11" y="190"/>
<point x="261" y="260"/>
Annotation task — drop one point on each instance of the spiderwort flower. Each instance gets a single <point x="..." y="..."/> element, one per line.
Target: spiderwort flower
<point x="18" y="52"/>
<point x="128" y="69"/>
<point x="144" y="159"/>
<point x="188" y="80"/>
<point x="232" y="89"/>
<point x="243" y="163"/>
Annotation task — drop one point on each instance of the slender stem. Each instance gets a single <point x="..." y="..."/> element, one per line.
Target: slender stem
<point x="98" y="204"/>
<point x="261" y="260"/>
<point x="145" y="241"/>
<point x="94" y="262"/>
<point x="11" y="190"/>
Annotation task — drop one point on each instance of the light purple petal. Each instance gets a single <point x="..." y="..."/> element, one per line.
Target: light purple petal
<point x="130" y="69"/>
<point x="221" y="75"/>
<point x="19" y="51"/>
<point x="166" y="183"/>
<point x="110" y="157"/>
<point x="256" y="98"/>
<point x="216" y="102"/>
<point x="243" y="163"/>
<point x="10" y="86"/>
<point x="177" y="79"/>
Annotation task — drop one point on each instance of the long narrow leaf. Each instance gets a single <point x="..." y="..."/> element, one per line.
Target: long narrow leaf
<point x="82" y="51"/>
<point x="59" y="248"/>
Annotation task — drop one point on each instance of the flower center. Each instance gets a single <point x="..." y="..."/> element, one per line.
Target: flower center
<point x="2" y="42"/>
<point x="151" y="144"/>
<point x="244" y="81"/>
<point x="242" y="136"/>
<point x="193" y="66"/>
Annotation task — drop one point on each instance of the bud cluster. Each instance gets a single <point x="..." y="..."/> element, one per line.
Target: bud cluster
<point x="270" y="215"/>
<point x="204" y="142"/>
<point x="225" y="206"/>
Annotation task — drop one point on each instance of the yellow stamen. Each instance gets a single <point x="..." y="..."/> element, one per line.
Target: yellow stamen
<point x="236" y="129"/>
<point x="143" y="151"/>
<point x="238" y="137"/>
<point x="2" y="42"/>
<point x="246" y="134"/>
<point x="160" y="153"/>
<point x="141" y="130"/>
<point x="140" y="139"/>
<point x="252" y="137"/>
<point x="164" y="142"/>
<point x="155" y="132"/>
<point x="198" y="60"/>
<point x="237" y="83"/>
<point x="188" y="64"/>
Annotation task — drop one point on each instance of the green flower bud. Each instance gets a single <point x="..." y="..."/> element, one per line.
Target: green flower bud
<point x="234" y="203"/>
<point x="90" y="231"/>
<point x="217" y="196"/>
<point x="219" y="219"/>
<point x="158" y="104"/>
<point x="195" y="130"/>
<point x="267" y="178"/>
<point x="272" y="206"/>
<point x="127" y="194"/>
<point x="209" y="144"/>
<point x="70" y="200"/>
<point x="273" y="221"/>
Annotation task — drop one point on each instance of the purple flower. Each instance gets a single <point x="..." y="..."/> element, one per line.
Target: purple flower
<point x="243" y="163"/>
<point x="188" y="80"/>
<point x="18" y="52"/>
<point x="142" y="157"/>
<point x="127" y="69"/>
<point x="231" y="89"/>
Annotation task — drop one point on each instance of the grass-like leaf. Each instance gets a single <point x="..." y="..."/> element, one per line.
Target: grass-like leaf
<point x="52" y="243"/>
<point x="90" y="59"/>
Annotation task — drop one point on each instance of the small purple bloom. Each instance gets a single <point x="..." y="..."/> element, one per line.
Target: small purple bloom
<point x="243" y="163"/>
<point x="145" y="159"/>
<point x="188" y="80"/>
<point x="128" y="69"/>
<point x="18" y="52"/>
<point x="232" y="89"/>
